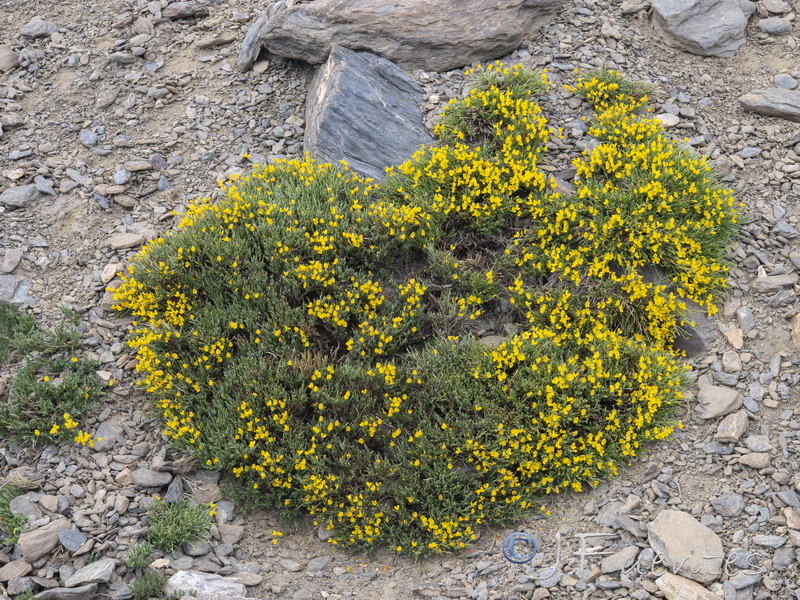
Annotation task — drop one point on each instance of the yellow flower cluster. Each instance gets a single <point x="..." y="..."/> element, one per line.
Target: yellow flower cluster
<point x="311" y="331"/>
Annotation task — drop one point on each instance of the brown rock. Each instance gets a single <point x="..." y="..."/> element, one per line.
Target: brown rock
<point x="688" y="547"/>
<point x="756" y="460"/>
<point x="125" y="240"/>
<point x="437" y="35"/>
<point x="675" y="587"/>
<point x="732" y="427"/>
<point x="36" y="543"/>
<point x="14" y="569"/>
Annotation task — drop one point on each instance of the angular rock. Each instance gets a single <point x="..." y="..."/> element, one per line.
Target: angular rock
<point x="11" y="259"/>
<point x="145" y="478"/>
<point x="690" y="549"/>
<point x="773" y="283"/>
<point x="773" y="102"/>
<point x="729" y="504"/>
<point x="19" y="196"/>
<point x="437" y="35"/>
<point x="365" y="110"/>
<point x="107" y="434"/>
<point x="72" y="540"/>
<point x="14" y="569"/>
<point x="231" y="534"/>
<point x="769" y="541"/>
<point x="675" y="587"/>
<point x="97" y="572"/>
<point x="732" y="427"/>
<point x="717" y="400"/>
<point x="35" y="543"/>
<point x="758" y="443"/>
<point x="756" y="460"/>
<point x="792" y="517"/>
<point x="38" y="28"/>
<point x="619" y="560"/>
<point x="184" y="10"/>
<point x="25" y="505"/>
<point x="9" y="59"/>
<point x="20" y="585"/>
<point x="775" y="26"/>
<point x="704" y="27"/>
<point x="86" y="592"/>
<point x="695" y="339"/>
<point x="125" y="240"/>
<point x="206" y="584"/>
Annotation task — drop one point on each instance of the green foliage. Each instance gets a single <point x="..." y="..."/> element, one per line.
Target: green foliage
<point x="25" y="596"/>
<point x="11" y="525"/>
<point x="150" y="585"/>
<point x="314" y="333"/>
<point x="53" y="383"/>
<point x="139" y="555"/>
<point x="174" y="524"/>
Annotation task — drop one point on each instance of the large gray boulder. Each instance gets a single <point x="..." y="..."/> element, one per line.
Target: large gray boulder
<point x="774" y="102"/>
<point x="365" y="110"/>
<point x="689" y="549"/>
<point x="435" y="35"/>
<point x="704" y="27"/>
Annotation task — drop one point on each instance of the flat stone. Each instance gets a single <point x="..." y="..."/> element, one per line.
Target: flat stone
<point x="38" y="28"/>
<point x="769" y="541"/>
<point x="704" y="27"/>
<point x="318" y="563"/>
<point x="792" y="517"/>
<point x="14" y="569"/>
<point x="49" y="502"/>
<point x="758" y="443"/>
<point x="20" y="585"/>
<point x="25" y="506"/>
<point x="794" y="537"/>
<point x="107" y="434"/>
<point x="689" y="548"/>
<point x="184" y="10"/>
<point x="718" y="401"/>
<point x="99" y="571"/>
<point x="675" y="587"/>
<point x="205" y="584"/>
<point x="125" y="240"/>
<point x="696" y="339"/>
<point x="773" y="102"/>
<point x="20" y="196"/>
<point x="230" y="534"/>
<point x="667" y="120"/>
<point x="247" y="578"/>
<point x="412" y="34"/>
<point x="363" y="109"/>
<point x="85" y="592"/>
<point x="38" y="542"/>
<point x="732" y="427"/>
<point x="773" y="283"/>
<point x="72" y="540"/>
<point x="9" y="59"/>
<point x="619" y="560"/>
<point x="145" y="478"/>
<point x="729" y="504"/>
<point x="756" y="460"/>
<point x="775" y="26"/>
<point x="197" y="548"/>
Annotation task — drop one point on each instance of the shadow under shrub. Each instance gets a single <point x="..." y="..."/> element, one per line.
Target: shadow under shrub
<point x="318" y="335"/>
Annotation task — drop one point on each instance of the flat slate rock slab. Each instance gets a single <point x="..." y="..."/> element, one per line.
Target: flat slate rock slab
<point x="363" y="109"/>
<point x="704" y="27"/>
<point x="773" y="102"/>
<point x="435" y="35"/>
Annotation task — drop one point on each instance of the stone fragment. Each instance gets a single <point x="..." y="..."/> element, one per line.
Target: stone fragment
<point x="758" y="443"/>
<point x="318" y="563"/>
<point x="773" y="102"/>
<point x="775" y="26"/>
<point x="197" y="548"/>
<point x="85" y="592"/>
<point x="690" y="549"/>
<point x="756" y="460"/>
<point x="729" y="504"/>
<point x="38" y="28"/>
<point x="11" y="259"/>
<point x="184" y="10"/>
<point x="72" y="540"/>
<point x="19" y="196"/>
<point x="776" y="7"/>
<point x="704" y="27"/>
<point x="675" y="587"/>
<point x="9" y="59"/>
<point x="35" y="543"/>
<point x="206" y="493"/>
<point x="45" y="186"/>
<point x="718" y="401"/>
<point x="619" y="560"/>
<point x="696" y="338"/>
<point x="205" y="584"/>
<point x="125" y="240"/>
<point x="25" y="506"/>
<point x="769" y="541"/>
<point x="793" y="537"/>
<point x="365" y="110"/>
<point x="247" y="578"/>
<point x="231" y="534"/>
<point x="99" y="571"/>
<point x="14" y="569"/>
<point x="773" y="283"/>
<point x="412" y="34"/>
<point x="88" y="138"/>
<point x="732" y="427"/>
<point x="735" y="337"/>
<point x="49" y="502"/>
<point x="146" y="478"/>
<point x="20" y="585"/>
<point x="792" y="517"/>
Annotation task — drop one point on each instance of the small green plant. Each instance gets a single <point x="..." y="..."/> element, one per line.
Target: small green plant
<point x="139" y="555"/>
<point x="11" y="525"/>
<point x="150" y="585"/>
<point x="52" y="383"/>
<point x="25" y="596"/>
<point x="174" y="524"/>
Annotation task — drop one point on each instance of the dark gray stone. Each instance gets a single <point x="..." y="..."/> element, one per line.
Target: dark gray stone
<point x="365" y="110"/>
<point x="729" y="504"/>
<point x="19" y="196"/>
<point x="45" y="186"/>
<point x="773" y="102"/>
<point x="437" y="35"/>
<point x="97" y="572"/>
<point x="71" y="539"/>
<point x="789" y="497"/>
<point x="704" y="27"/>
<point x="145" y="478"/>
<point x="696" y="339"/>
<point x="775" y="26"/>
<point x="85" y="592"/>
<point x="107" y="435"/>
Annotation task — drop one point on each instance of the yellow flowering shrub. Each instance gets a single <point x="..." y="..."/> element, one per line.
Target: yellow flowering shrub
<point x="313" y="333"/>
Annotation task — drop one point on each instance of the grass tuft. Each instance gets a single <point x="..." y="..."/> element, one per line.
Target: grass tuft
<point x="174" y="524"/>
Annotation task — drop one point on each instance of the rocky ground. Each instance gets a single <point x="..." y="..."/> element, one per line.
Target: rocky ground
<point x="118" y="118"/>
